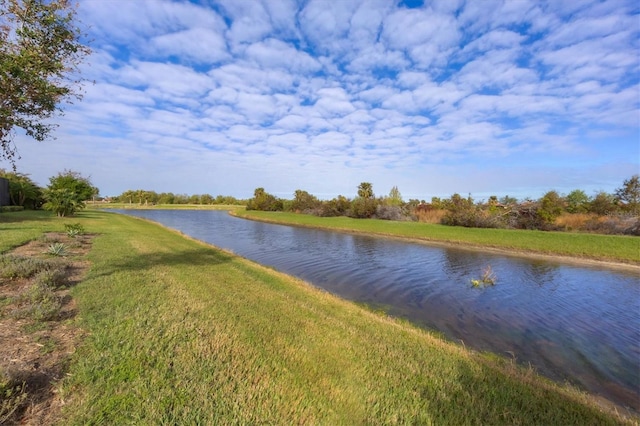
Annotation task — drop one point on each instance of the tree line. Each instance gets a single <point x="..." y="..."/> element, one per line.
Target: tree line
<point x="617" y="213"/>
<point x="144" y="197"/>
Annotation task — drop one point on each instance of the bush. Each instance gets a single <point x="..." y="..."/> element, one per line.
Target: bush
<point x="14" y="267"/>
<point x="53" y="278"/>
<point x="390" y="213"/>
<point x="362" y="208"/>
<point x="40" y="303"/>
<point x="7" y="209"/>
<point x="73" y="229"/>
<point x="551" y="206"/>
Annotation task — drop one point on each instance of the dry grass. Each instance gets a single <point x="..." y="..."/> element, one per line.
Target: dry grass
<point x="430" y="216"/>
<point x="575" y="221"/>
<point x="37" y="338"/>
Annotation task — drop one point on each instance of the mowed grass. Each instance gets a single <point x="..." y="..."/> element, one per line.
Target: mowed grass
<point x="178" y="332"/>
<point x="616" y="248"/>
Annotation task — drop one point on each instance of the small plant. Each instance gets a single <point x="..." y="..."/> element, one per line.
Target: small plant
<point x="12" y="397"/>
<point x="488" y="278"/>
<point x="14" y="267"/>
<point x="73" y="229"/>
<point x="51" y="277"/>
<point x="40" y="303"/>
<point x="57" y="249"/>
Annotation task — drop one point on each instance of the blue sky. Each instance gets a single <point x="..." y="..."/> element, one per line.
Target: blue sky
<point x="484" y="97"/>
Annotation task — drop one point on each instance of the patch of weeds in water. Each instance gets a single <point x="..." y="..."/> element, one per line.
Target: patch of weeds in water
<point x="488" y="278"/>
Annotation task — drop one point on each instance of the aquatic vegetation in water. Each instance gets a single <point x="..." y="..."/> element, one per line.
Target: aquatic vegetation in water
<point x="488" y="278"/>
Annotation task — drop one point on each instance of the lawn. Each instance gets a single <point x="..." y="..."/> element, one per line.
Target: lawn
<point x="179" y="332"/>
<point x="612" y="248"/>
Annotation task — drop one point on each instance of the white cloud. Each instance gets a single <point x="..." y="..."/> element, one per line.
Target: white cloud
<point x="322" y="95"/>
<point x="200" y="45"/>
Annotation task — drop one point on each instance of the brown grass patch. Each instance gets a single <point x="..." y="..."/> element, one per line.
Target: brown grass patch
<point x="34" y="354"/>
<point x="575" y="221"/>
<point x="430" y="216"/>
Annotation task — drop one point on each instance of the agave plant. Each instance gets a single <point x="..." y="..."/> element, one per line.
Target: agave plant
<point x="73" y="229"/>
<point x="57" y="249"/>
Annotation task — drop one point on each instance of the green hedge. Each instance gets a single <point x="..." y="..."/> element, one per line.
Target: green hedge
<point x="4" y="209"/>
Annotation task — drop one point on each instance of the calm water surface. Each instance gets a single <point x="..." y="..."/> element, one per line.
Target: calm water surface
<point x="572" y="323"/>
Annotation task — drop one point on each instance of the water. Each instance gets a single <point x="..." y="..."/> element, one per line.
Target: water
<point x="571" y="323"/>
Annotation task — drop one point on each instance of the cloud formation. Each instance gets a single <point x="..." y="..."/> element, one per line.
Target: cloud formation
<point x="221" y="97"/>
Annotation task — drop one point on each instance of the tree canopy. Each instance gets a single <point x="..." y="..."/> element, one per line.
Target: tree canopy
<point x="40" y="52"/>
<point x="629" y="193"/>
<point x="67" y="193"/>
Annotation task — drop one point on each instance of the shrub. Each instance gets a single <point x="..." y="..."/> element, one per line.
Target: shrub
<point x="14" y="267"/>
<point x="52" y="277"/>
<point x="362" y="208"/>
<point x="390" y="213"/>
<point x="551" y="206"/>
<point x="7" y="209"/>
<point x="73" y="229"/>
<point x="57" y="249"/>
<point x="42" y="304"/>
<point x="63" y="202"/>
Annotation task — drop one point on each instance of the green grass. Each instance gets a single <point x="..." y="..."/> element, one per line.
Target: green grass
<point x="616" y="248"/>
<point x="178" y="332"/>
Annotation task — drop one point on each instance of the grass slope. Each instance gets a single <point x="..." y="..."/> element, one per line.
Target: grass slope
<point x="617" y="248"/>
<point x="179" y="332"/>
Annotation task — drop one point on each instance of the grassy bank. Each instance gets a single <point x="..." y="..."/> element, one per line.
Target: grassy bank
<point x="613" y="248"/>
<point x="178" y="332"/>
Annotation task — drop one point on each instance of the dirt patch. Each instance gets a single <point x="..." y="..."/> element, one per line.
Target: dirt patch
<point x="35" y="351"/>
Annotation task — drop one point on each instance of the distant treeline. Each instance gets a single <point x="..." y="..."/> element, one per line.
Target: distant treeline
<point x="140" y="196"/>
<point x="617" y="213"/>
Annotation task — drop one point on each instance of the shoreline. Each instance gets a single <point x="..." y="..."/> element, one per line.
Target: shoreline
<point x="574" y="260"/>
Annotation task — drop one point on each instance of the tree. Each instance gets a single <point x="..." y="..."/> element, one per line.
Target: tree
<point x="629" y="192"/>
<point x="80" y="186"/>
<point x="22" y="190"/>
<point x="603" y="203"/>
<point x="303" y="201"/>
<point x="395" y="198"/>
<point x="551" y="206"/>
<point x="577" y="201"/>
<point x="67" y="193"/>
<point x="365" y="190"/>
<point x="262" y="200"/>
<point x="40" y="53"/>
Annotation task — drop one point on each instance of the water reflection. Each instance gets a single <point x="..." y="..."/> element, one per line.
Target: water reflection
<point x="571" y="323"/>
